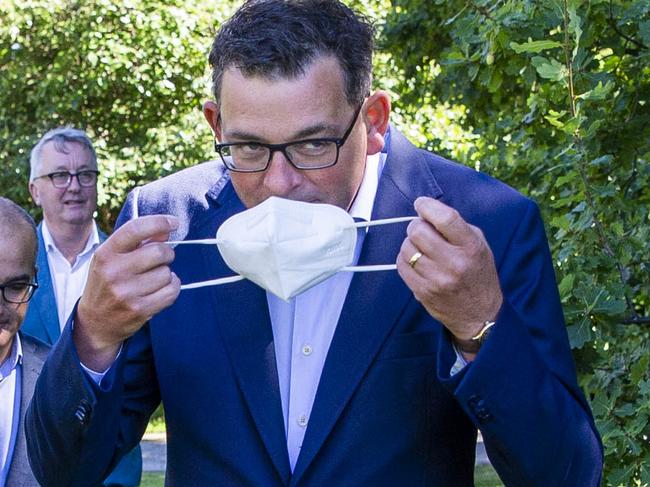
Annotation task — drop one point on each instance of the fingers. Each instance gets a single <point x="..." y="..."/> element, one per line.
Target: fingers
<point x="446" y="220"/>
<point x="129" y="281"/>
<point x="139" y="231"/>
<point x="455" y="277"/>
<point x="149" y="282"/>
<point x="424" y="273"/>
<point x="155" y="294"/>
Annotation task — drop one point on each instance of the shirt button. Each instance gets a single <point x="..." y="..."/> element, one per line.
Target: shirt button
<point x="307" y="350"/>
<point x="302" y="420"/>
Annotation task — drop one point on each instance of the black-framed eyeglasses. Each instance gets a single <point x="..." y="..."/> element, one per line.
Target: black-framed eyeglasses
<point x="306" y="154"/>
<point x="18" y="292"/>
<point x="62" y="179"/>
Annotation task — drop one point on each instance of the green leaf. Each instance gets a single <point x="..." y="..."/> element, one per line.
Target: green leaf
<point x="549" y="69"/>
<point x="534" y="46"/>
<point x="575" y="29"/>
<point x="621" y="476"/>
<point x="566" y="285"/>
<point x="644" y="387"/>
<point x="573" y="125"/>
<point x="639" y="369"/>
<point x="637" y="423"/>
<point x="595" y="125"/>
<point x="453" y="58"/>
<point x="569" y="177"/>
<point x="580" y="334"/>
<point x="600" y="92"/>
<point x="644" y="31"/>
<point x="627" y="409"/>
<point x="554" y="118"/>
<point x="610" y="307"/>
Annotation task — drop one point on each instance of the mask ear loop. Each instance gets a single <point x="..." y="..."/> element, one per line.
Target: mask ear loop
<point x="211" y="282"/>
<point x="377" y="267"/>
<point x="227" y="280"/>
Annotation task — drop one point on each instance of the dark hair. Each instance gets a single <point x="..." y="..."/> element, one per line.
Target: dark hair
<point x="280" y="38"/>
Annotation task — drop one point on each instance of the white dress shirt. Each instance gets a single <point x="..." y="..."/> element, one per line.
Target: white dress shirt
<point x="10" y="390"/>
<point x="68" y="279"/>
<point x="303" y="327"/>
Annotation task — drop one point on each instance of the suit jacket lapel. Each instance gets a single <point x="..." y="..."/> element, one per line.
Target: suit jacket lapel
<point x="363" y="328"/>
<point x="44" y="302"/>
<point x="20" y="471"/>
<point x="241" y="312"/>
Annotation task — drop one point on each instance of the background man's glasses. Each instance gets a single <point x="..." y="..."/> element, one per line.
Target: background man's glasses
<point x="18" y="292"/>
<point x="302" y="154"/>
<point x="62" y="179"/>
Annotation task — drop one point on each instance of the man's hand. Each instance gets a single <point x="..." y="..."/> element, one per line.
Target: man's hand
<point x="455" y="279"/>
<point x="129" y="281"/>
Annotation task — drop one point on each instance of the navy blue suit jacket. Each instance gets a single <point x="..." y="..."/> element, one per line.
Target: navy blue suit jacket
<point x="386" y="411"/>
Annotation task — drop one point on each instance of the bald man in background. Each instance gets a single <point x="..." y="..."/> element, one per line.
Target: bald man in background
<point x="21" y="357"/>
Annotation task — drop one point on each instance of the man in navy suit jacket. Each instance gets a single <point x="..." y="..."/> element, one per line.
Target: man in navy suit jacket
<point x="381" y="379"/>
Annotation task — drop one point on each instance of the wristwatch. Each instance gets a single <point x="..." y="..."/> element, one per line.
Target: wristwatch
<point x="482" y="335"/>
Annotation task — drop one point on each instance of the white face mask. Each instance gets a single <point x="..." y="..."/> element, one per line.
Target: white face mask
<point x="288" y="246"/>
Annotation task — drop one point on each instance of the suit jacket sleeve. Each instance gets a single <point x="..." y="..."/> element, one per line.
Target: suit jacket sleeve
<point x="521" y="391"/>
<point x="76" y="431"/>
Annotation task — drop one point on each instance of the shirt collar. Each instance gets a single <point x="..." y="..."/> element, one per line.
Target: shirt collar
<point x="15" y="358"/>
<point x="91" y="243"/>
<point x="365" y="198"/>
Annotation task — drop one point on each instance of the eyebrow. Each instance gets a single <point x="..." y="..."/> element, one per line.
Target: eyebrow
<point x="23" y="278"/>
<point x="320" y="130"/>
<point x="65" y="169"/>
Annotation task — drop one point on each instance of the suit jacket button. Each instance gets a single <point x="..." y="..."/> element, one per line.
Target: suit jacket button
<point x="83" y="412"/>
<point x="483" y="415"/>
<point x="473" y="400"/>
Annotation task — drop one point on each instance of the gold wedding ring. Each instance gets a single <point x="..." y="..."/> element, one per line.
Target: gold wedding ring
<point x="414" y="260"/>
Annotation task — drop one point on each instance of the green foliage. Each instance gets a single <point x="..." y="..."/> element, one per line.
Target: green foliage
<point x="555" y="102"/>
<point x="132" y="73"/>
<point x="551" y="97"/>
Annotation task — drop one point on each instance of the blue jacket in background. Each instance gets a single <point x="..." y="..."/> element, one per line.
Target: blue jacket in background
<point x="42" y="322"/>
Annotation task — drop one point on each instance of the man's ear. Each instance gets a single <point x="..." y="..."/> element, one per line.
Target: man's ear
<point x="211" y="114"/>
<point x="377" y="114"/>
<point x="33" y="190"/>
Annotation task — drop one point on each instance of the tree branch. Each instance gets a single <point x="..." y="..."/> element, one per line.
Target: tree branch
<point x="612" y="22"/>
<point x="623" y="272"/>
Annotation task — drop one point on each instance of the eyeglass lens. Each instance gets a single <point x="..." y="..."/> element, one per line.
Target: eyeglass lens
<point x="63" y="179"/>
<point x="17" y="293"/>
<point x="308" y="154"/>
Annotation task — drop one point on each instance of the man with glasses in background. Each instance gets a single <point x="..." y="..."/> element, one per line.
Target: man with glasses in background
<point x="21" y="357"/>
<point x="63" y="182"/>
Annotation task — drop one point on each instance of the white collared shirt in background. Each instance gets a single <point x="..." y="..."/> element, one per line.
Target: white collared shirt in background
<point x="68" y="279"/>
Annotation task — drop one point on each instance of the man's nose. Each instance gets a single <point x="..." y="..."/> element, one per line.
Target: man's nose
<point x="74" y="183"/>
<point x="281" y="177"/>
